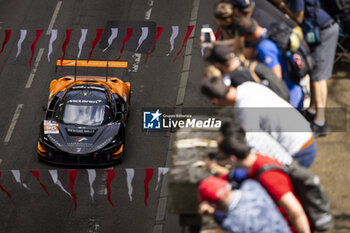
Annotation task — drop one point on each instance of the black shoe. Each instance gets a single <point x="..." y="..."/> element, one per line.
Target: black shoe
<point x="308" y="115"/>
<point x="319" y="131"/>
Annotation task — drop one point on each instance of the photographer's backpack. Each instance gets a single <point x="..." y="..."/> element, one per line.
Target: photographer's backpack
<point x="294" y="48"/>
<point x="310" y="192"/>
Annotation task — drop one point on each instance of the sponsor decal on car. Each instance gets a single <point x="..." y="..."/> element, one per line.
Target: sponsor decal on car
<point x="84" y="101"/>
<point x="51" y="127"/>
<point x="80" y="139"/>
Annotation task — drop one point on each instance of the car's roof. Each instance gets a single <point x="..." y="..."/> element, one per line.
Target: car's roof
<point x="86" y="94"/>
<point x="111" y="83"/>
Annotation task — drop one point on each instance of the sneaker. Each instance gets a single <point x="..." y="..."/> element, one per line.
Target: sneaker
<point x="319" y="131"/>
<point x="308" y="115"/>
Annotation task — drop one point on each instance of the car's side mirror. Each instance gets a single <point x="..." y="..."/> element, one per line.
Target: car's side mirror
<point x="44" y="108"/>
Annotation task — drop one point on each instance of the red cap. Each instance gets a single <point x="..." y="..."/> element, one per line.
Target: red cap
<point x="213" y="189"/>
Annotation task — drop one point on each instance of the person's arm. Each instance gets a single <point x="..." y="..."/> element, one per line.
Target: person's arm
<point x="277" y="70"/>
<point x="279" y="186"/>
<point x="228" y="42"/>
<point x="295" y="212"/>
<point x="297" y="16"/>
<point x="268" y="55"/>
<point x="224" y="30"/>
<point x="226" y="34"/>
<point x="215" y="168"/>
<point x="204" y="208"/>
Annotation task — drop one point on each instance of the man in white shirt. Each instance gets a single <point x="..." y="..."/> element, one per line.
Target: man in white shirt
<point x="261" y="110"/>
<point x="259" y="142"/>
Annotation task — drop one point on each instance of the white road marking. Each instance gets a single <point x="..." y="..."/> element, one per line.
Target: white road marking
<point x="188" y="55"/>
<point x="36" y="64"/>
<point x="0" y="161"/>
<point x="137" y="56"/>
<point x="13" y="123"/>
<point x="102" y="190"/>
<point x="161" y="210"/>
<point x="135" y="65"/>
<point x="54" y="16"/>
<point x="150" y="2"/>
<point x="160" y="216"/>
<point x="94" y="226"/>
<point x="158" y="228"/>
<point x="148" y="14"/>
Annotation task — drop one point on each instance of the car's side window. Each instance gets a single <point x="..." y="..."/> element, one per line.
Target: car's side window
<point x="108" y="114"/>
<point x="51" y="108"/>
<point x="118" y="106"/>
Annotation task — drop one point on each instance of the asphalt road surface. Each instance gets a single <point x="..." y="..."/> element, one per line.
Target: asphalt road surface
<point x="24" y="90"/>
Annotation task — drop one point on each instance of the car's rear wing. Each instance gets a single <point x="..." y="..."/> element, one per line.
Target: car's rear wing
<point x="92" y="63"/>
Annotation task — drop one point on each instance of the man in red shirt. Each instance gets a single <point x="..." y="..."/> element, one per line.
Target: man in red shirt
<point x="276" y="183"/>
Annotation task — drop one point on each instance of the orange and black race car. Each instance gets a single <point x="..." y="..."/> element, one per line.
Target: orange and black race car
<point x="85" y="118"/>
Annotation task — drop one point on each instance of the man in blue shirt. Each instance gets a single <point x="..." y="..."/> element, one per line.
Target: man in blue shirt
<point x="322" y="53"/>
<point x="269" y="54"/>
<point x="248" y="209"/>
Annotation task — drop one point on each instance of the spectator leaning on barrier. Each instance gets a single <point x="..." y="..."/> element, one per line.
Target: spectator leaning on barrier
<point x="259" y="109"/>
<point x="269" y="54"/>
<point x="276" y="183"/>
<point x="259" y="142"/>
<point x="212" y="71"/>
<point x="248" y="209"/>
<point x="238" y="71"/>
<point x="323" y="53"/>
<point x="224" y="18"/>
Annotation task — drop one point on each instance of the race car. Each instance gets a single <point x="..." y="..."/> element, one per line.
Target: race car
<point x="85" y="118"/>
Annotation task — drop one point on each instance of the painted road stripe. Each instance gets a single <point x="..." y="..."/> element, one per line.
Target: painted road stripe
<point x="149" y="12"/>
<point x="13" y="123"/>
<point x="161" y="209"/>
<point x="36" y="64"/>
<point x="54" y="16"/>
<point x="137" y="56"/>
<point x="102" y="190"/>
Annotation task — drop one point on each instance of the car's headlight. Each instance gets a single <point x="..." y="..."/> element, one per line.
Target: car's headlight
<point x="47" y="143"/>
<point x="113" y="145"/>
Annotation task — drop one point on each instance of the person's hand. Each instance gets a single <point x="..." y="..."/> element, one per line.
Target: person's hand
<point x="205" y="208"/>
<point x="210" y="164"/>
<point x="207" y="44"/>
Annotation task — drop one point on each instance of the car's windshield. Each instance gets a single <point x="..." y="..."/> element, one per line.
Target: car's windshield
<point x="84" y="107"/>
<point x="83" y="114"/>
